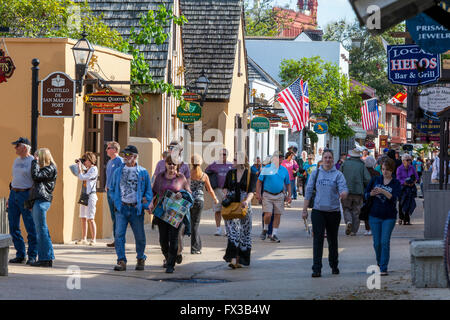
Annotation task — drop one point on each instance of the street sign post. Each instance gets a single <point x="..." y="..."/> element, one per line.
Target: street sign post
<point x="58" y="96"/>
<point x="410" y="65"/>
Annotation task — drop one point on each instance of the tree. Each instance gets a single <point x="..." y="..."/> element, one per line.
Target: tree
<point x="262" y="20"/>
<point x="327" y="87"/>
<point x="56" y="18"/>
<point x="367" y="64"/>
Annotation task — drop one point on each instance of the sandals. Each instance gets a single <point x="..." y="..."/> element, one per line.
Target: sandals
<point x="234" y="264"/>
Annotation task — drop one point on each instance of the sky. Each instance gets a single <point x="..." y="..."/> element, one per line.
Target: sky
<point x="328" y="11"/>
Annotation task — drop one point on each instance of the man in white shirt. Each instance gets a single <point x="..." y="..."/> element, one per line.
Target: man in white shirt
<point x="20" y="187"/>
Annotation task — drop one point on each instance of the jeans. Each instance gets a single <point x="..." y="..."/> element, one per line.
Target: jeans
<point x="293" y="189"/>
<point x="44" y="242"/>
<point x="196" y="212"/>
<point x="381" y="232"/>
<point x="15" y="209"/>
<point x="168" y="239"/>
<point x="128" y="215"/>
<point x="110" y="197"/>
<point x="322" y="221"/>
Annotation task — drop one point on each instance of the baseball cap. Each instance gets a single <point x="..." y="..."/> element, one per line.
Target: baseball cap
<point x="22" y="140"/>
<point x="130" y="149"/>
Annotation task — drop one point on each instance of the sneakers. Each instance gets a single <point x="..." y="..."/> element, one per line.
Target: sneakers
<point x="30" y="261"/>
<point x="384" y="273"/>
<point x="335" y="270"/>
<point x="170" y="269"/>
<point x="316" y="275"/>
<point x="274" y="238"/>
<point x="140" y="265"/>
<point x="92" y="243"/>
<point x="44" y="264"/>
<point x="218" y="232"/>
<point x="368" y="233"/>
<point x="348" y="229"/>
<point x="352" y="234"/>
<point x="17" y="260"/>
<point x="263" y="235"/>
<point x="121" y="266"/>
<point x="82" y="242"/>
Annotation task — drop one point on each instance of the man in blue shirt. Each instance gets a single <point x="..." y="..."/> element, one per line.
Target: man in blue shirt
<point x="112" y="150"/>
<point x="276" y="181"/>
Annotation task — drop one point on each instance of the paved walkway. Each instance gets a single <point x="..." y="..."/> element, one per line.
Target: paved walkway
<point x="277" y="271"/>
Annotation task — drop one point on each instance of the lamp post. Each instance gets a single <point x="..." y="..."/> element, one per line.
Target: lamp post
<point x="82" y="54"/>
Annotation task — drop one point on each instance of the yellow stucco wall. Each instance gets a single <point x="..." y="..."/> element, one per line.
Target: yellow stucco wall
<point x="64" y="137"/>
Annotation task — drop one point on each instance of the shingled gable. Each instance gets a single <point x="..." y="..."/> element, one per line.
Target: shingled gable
<point x="210" y="43"/>
<point x="123" y="15"/>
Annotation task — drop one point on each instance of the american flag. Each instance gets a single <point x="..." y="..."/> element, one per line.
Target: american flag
<point x="295" y="102"/>
<point x="369" y="114"/>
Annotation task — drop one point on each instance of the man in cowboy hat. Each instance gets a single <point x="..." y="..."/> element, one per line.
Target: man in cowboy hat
<point x="357" y="177"/>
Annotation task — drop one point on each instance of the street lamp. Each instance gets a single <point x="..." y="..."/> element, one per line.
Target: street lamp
<point x="328" y="111"/>
<point x="202" y="84"/>
<point x="82" y="53"/>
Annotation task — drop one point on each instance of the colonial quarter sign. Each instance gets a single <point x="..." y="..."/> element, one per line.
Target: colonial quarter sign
<point x="58" y="96"/>
<point x="6" y="67"/>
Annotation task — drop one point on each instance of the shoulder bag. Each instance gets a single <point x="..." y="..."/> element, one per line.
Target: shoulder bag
<point x="313" y="197"/>
<point x="84" y="196"/>
<point x="235" y="210"/>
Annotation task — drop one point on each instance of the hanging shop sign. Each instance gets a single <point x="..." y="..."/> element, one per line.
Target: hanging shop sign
<point x="430" y="35"/>
<point x="383" y="141"/>
<point x="259" y="111"/>
<point x="434" y="99"/>
<point x="429" y="127"/>
<point x="404" y="62"/>
<point x="58" y="96"/>
<point x="6" y="67"/>
<point x="107" y="111"/>
<point x="321" y="127"/>
<point x="260" y="124"/>
<point x="191" y="96"/>
<point x="370" y="145"/>
<point x="106" y="99"/>
<point x="192" y="113"/>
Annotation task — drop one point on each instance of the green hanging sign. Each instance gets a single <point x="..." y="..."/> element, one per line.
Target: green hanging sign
<point x="260" y="124"/>
<point x="191" y="114"/>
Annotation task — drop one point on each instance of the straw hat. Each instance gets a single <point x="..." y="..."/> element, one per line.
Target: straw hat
<point x="355" y="153"/>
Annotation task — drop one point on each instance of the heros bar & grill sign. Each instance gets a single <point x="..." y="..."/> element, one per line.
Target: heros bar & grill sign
<point x="58" y="96"/>
<point x="409" y="65"/>
<point x="6" y="67"/>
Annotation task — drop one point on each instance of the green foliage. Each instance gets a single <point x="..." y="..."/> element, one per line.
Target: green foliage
<point x="368" y="63"/>
<point x="262" y="20"/>
<point x="424" y="150"/>
<point x="327" y="87"/>
<point x="55" y="18"/>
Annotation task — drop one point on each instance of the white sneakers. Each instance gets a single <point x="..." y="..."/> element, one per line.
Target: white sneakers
<point x="218" y="232"/>
<point x="85" y="242"/>
<point x="368" y="233"/>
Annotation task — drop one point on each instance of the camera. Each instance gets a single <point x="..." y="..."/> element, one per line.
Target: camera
<point x="80" y="160"/>
<point x="231" y="195"/>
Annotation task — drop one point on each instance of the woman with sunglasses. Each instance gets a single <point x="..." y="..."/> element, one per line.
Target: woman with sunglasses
<point x="174" y="181"/>
<point x="239" y="231"/>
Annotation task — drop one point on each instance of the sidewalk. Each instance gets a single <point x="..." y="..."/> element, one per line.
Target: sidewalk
<point x="277" y="271"/>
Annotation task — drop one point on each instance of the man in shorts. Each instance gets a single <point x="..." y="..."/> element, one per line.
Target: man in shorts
<point x="276" y="181"/>
<point x="220" y="170"/>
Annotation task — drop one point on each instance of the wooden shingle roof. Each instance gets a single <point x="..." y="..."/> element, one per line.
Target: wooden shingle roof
<point x="122" y="15"/>
<point x="210" y="42"/>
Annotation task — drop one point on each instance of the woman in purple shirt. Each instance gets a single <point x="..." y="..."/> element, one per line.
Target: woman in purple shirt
<point x="174" y="181"/>
<point x="405" y="171"/>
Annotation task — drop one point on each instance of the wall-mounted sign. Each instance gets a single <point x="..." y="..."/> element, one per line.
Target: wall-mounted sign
<point x="428" y="34"/>
<point x="321" y="127"/>
<point x="192" y="113"/>
<point x="106" y="99"/>
<point x="370" y="145"/>
<point x="383" y="141"/>
<point x="404" y="62"/>
<point x="260" y="124"/>
<point x="6" y="67"/>
<point x="191" y="96"/>
<point x="58" y="96"/>
<point x="434" y="99"/>
<point x="259" y="111"/>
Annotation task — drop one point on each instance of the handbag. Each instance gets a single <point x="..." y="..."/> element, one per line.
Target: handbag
<point x="313" y="197"/>
<point x="365" y="210"/>
<point x="235" y="210"/>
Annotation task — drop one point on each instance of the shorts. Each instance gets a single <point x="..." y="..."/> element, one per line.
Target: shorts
<point x="273" y="203"/>
<point x="220" y="196"/>
<point x="89" y="210"/>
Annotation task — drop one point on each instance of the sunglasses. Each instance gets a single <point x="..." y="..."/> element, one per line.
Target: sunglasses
<point x="110" y="148"/>
<point x="127" y="154"/>
<point x="171" y="164"/>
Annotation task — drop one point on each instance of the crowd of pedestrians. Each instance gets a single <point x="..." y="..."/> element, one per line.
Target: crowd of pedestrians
<point x="357" y="187"/>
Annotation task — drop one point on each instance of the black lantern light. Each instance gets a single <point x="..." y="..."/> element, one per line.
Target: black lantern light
<point x="82" y="53"/>
<point x="328" y="111"/>
<point x="202" y="84"/>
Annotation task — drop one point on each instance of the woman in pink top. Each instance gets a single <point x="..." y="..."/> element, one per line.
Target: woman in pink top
<point x="292" y="167"/>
